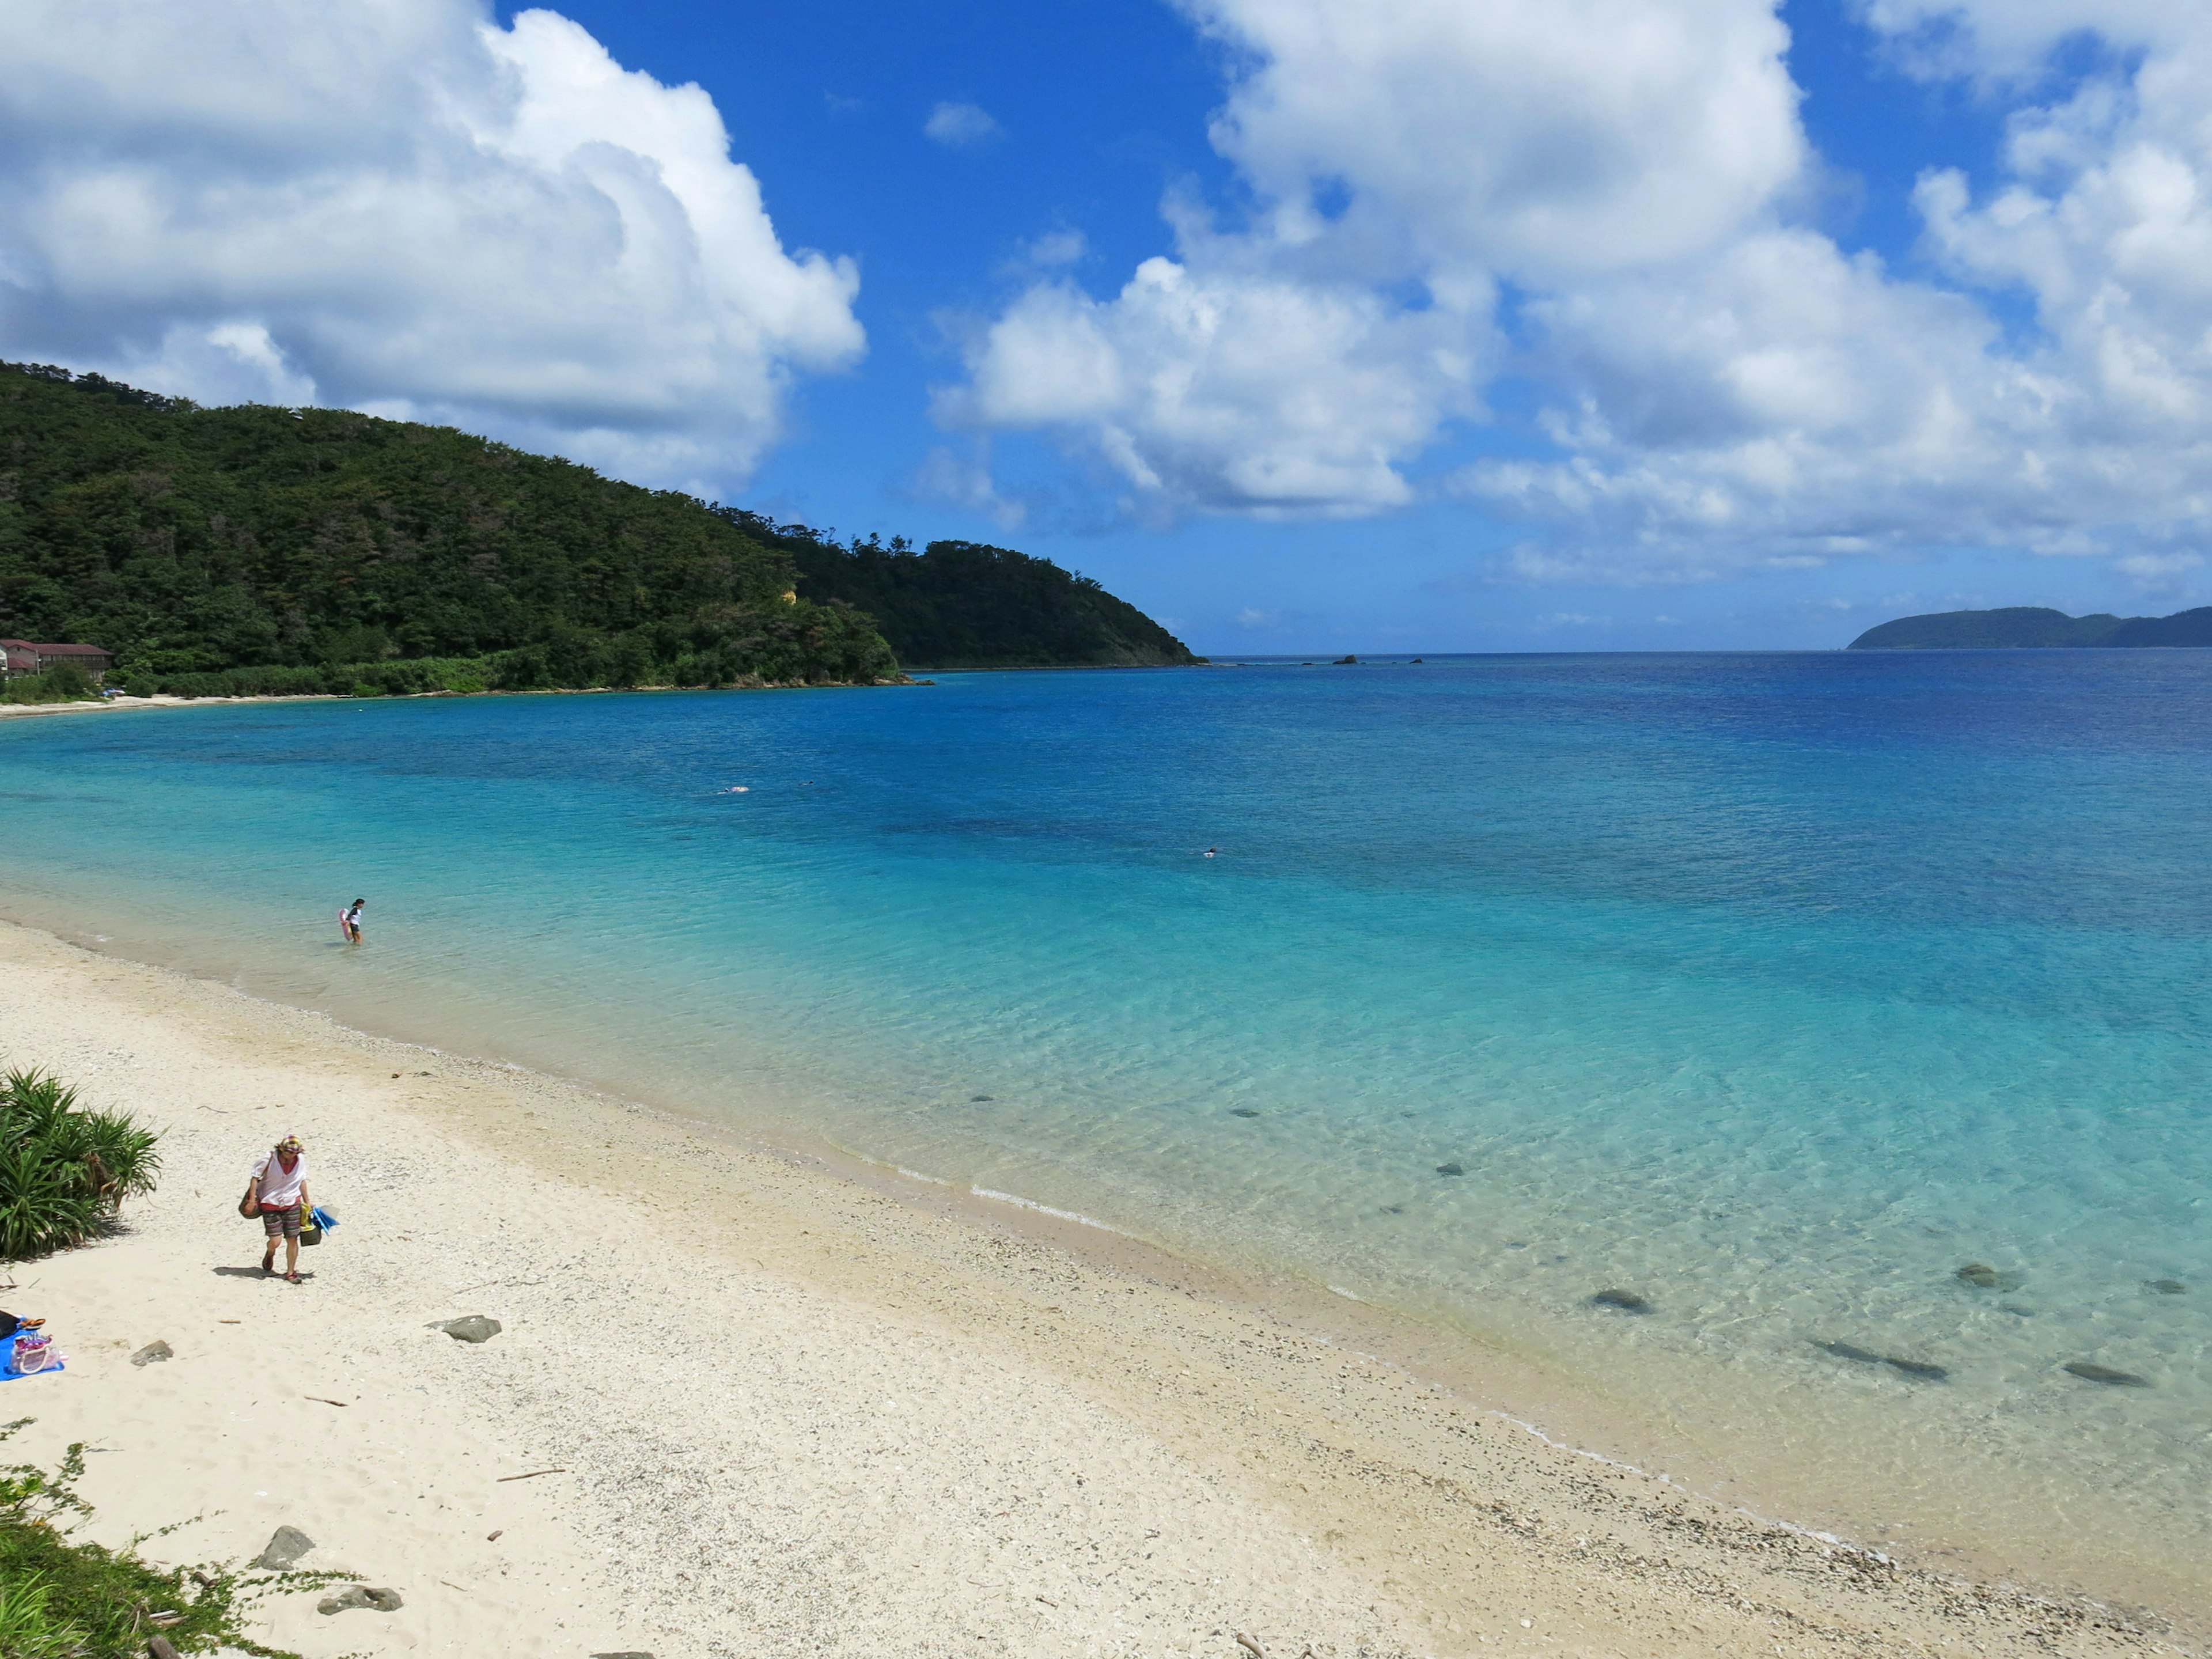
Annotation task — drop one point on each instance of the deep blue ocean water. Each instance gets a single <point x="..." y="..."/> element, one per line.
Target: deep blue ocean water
<point x="1774" y="988"/>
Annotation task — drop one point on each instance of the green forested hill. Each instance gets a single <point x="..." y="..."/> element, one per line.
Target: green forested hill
<point x="269" y="549"/>
<point x="2033" y="627"/>
<point x="963" y="604"/>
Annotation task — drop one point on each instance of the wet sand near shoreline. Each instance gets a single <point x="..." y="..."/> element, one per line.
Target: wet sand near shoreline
<point x="781" y="1410"/>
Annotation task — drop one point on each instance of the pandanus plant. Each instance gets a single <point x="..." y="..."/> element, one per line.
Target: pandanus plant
<point x="64" y="1169"/>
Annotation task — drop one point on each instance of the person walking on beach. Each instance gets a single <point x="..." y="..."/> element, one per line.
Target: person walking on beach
<point x="349" y="921"/>
<point x="279" y="1186"/>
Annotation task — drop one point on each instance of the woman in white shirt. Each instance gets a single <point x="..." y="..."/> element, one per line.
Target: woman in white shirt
<point x="279" y="1186"/>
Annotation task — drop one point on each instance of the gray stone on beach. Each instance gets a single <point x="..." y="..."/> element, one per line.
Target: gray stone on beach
<point x="622" y="1655"/>
<point x="152" y="1353"/>
<point x="469" y="1328"/>
<point x="285" y="1546"/>
<point x="360" y="1595"/>
<point x="1627" y="1301"/>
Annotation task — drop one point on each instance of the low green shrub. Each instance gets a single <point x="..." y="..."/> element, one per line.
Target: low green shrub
<point x="64" y="1168"/>
<point x="65" y="682"/>
<point x="64" y="1599"/>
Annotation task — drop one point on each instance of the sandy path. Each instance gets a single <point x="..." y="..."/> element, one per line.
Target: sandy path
<point x="798" y="1414"/>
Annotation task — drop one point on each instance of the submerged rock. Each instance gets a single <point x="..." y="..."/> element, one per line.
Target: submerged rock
<point x="285" y="1546"/>
<point x="1242" y="1111"/>
<point x="1979" y="1274"/>
<point x="2090" y="1371"/>
<point x="1916" y="1368"/>
<point x="979" y="1099"/>
<point x="1627" y="1301"/>
<point x="2165" y="1286"/>
<point x="1451" y="1169"/>
<point x="470" y="1327"/>
<point x="1845" y="1351"/>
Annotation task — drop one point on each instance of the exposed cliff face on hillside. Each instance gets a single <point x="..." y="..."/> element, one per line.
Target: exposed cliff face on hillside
<point x="2031" y="627"/>
<point x="291" y="550"/>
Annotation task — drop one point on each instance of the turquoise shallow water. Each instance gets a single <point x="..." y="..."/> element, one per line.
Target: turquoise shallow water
<point x="1773" y="988"/>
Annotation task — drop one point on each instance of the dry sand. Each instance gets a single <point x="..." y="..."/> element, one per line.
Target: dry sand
<point x="790" y="1412"/>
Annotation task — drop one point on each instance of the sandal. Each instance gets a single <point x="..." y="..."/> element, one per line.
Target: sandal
<point x="269" y="1262"/>
<point x="291" y="1279"/>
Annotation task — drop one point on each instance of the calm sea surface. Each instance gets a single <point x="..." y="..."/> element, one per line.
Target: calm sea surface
<point x="1773" y="989"/>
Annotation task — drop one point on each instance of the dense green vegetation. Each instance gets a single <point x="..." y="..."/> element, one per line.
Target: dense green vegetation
<point x="963" y="605"/>
<point x="2020" y="627"/>
<point x="199" y="541"/>
<point x="63" y="1599"/>
<point x="65" y="683"/>
<point x="64" y="1169"/>
<point x="257" y="549"/>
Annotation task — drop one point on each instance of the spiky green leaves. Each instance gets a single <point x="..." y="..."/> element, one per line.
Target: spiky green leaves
<point x="64" y="1169"/>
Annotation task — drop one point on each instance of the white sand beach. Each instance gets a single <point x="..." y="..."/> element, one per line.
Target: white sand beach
<point x="764" y="1408"/>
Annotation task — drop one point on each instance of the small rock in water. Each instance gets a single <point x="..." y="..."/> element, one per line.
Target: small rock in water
<point x="285" y="1546"/>
<point x="980" y="1099"/>
<point x="470" y="1327"/>
<point x="1242" y="1111"/>
<point x="1451" y="1169"/>
<point x="1845" y="1351"/>
<point x="152" y="1353"/>
<point x="360" y="1595"/>
<point x="1979" y="1274"/>
<point x="2090" y="1371"/>
<point x="2165" y="1286"/>
<point x="1916" y="1368"/>
<point x="1627" y="1301"/>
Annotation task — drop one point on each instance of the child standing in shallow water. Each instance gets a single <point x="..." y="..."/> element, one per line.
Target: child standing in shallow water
<point x="349" y="921"/>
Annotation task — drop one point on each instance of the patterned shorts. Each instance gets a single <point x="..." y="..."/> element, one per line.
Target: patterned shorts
<point x="284" y="1224"/>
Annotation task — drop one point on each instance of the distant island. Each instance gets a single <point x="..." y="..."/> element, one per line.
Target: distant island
<point x="257" y="550"/>
<point x="2033" y="628"/>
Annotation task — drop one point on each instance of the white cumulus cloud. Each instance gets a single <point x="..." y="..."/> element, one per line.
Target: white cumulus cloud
<point x="405" y="208"/>
<point x="961" y="126"/>
<point x="1609" y="201"/>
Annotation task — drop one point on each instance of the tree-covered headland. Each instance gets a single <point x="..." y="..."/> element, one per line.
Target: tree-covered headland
<point x="273" y="550"/>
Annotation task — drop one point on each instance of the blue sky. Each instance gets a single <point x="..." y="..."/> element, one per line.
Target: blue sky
<point x="1509" y="327"/>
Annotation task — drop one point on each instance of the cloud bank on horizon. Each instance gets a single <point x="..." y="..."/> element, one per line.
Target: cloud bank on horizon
<point x="405" y="208"/>
<point x="1610" y="203"/>
<point x="1558" y="261"/>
